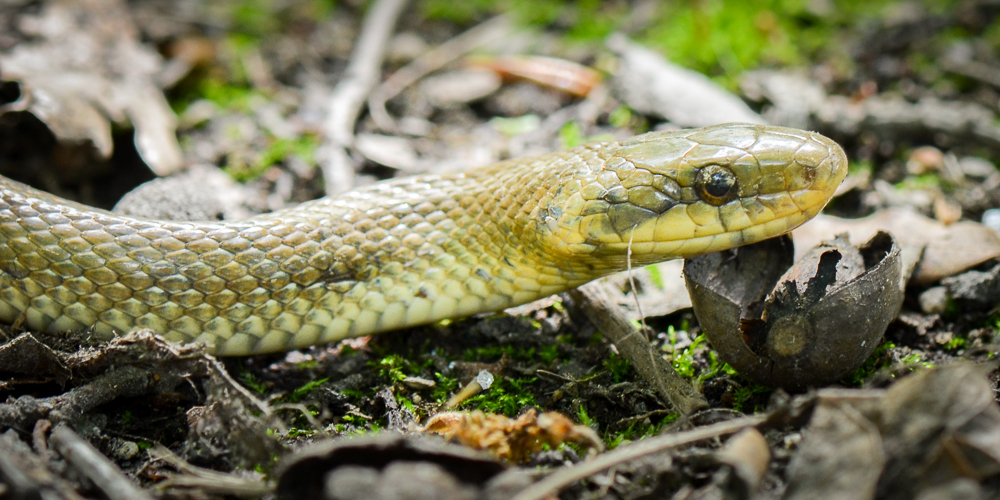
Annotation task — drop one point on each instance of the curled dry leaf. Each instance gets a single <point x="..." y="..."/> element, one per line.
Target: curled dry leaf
<point x="937" y="250"/>
<point x="84" y="70"/>
<point x="939" y="425"/>
<point x="824" y="317"/>
<point x="512" y="440"/>
<point x="841" y="457"/>
<point x="749" y="455"/>
<point x="560" y="74"/>
<point x="936" y="427"/>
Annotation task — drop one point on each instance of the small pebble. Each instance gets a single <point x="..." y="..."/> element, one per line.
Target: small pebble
<point x="991" y="219"/>
<point x="934" y="300"/>
<point x="924" y="159"/>
<point x="418" y="383"/>
<point x="976" y="168"/>
<point x="460" y="86"/>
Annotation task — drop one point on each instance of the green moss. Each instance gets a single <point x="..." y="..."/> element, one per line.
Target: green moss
<point x="745" y="394"/>
<point x="956" y="343"/>
<point x="683" y="359"/>
<point x="255" y="17"/>
<point x="445" y="387"/>
<point x="923" y="181"/>
<point x="251" y="382"/>
<point x="546" y="354"/>
<point x="915" y="359"/>
<point x="715" y="367"/>
<point x="464" y="12"/>
<point x="879" y="360"/>
<point x="306" y="389"/>
<point x="619" y="368"/>
<point x="992" y="34"/>
<point x="862" y="166"/>
<point x="584" y="418"/>
<point x="261" y="18"/>
<point x="721" y="38"/>
<point x="391" y="368"/>
<point x="279" y="150"/>
<point x="638" y="430"/>
<point x="517" y="125"/>
<point x="506" y="396"/>
<point x="571" y="135"/>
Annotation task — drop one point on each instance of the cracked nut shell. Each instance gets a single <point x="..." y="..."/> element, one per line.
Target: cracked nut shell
<point x="801" y="327"/>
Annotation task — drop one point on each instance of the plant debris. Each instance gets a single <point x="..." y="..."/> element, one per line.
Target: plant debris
<point x="85" y="70"/>
<point x="513" y="440"/>
<point x="95" y="96"/>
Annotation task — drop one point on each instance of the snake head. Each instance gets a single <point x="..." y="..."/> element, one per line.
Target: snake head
<point x="666" y="195"/>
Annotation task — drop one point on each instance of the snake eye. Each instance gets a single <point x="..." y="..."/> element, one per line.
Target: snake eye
<point x="717" y="184"/>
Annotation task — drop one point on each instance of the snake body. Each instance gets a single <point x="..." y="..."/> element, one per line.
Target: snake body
<point x="409" y="251"/>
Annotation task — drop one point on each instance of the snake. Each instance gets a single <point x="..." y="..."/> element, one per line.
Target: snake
<point x="408" y="251"/>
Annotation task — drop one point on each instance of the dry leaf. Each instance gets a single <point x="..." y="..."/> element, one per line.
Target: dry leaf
<point x="650" y="84"/>
<point x="841" y="457"/>
<point x="946" y="249"/>
<point x="84" y="70"/>
<point x="567" y="76"/>
<point x="512" y="440"/>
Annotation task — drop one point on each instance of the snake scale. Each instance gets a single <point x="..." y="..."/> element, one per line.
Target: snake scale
<point x="408" y="251"/>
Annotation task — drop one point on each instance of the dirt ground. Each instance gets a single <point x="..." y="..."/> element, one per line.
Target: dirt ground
<point x="222" y="110"/>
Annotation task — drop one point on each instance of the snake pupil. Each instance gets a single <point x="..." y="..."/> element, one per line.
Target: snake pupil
<point x="719" y="184"/>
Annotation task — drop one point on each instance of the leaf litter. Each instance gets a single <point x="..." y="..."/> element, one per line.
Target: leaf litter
<point x="134" y="392"/>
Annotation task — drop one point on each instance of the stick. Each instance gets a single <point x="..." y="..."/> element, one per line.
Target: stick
<point x="432" y="60"/>
<point x="105" y="475"/>
<point x="362" y="74"/>
<point x="633" y="346"/>
<point x="563" y="477"/>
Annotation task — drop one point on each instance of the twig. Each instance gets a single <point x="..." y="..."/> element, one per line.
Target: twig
<point x="127" y="381"/>
<point x="476" y="37"/>
<point x="983" y="72"/>
<point x="563" y="477"/>
<point x="191" y="477"/>
<point x="27" y="475"/>
<point x="656" y="371"/>
<point x="349" y="95"/>
<point x="84" y="458"/>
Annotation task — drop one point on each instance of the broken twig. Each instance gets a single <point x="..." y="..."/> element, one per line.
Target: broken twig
<point x="434" y="59"/>
<point x="86" y="460"/>
<point x="563" y="477"/>
<point x="608" y="318"/>
<point x="349" y="95"/>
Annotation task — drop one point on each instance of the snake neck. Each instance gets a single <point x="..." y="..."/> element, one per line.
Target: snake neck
<point x="494" y="224"/>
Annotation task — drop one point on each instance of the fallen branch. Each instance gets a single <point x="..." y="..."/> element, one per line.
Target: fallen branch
<point x="612" y="323"/>
<point x="92" y="464"/>
<point x="362" y="74"/>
